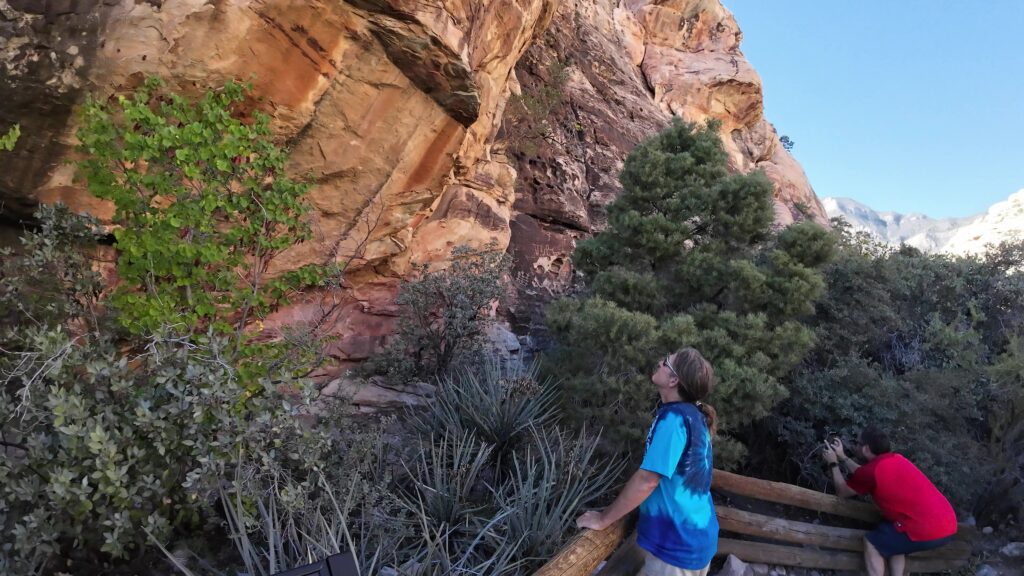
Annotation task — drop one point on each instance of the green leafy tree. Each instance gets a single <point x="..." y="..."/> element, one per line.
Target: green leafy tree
<point x="203" y="205"/>
<point x="7" y="141"/>
<point x="689" y="257"/>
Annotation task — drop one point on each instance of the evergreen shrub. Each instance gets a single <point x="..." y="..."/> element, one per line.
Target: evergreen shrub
<point x="690" y="257"/>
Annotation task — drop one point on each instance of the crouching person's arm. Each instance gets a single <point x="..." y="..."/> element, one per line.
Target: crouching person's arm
<point x="842" y="489"/>
<point x="639" y="487"/>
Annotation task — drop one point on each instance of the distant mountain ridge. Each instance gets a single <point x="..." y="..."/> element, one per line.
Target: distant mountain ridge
<point x="967" y="235"/>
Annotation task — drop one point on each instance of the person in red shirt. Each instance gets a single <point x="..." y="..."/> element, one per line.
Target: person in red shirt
<point x="918" y="517"/>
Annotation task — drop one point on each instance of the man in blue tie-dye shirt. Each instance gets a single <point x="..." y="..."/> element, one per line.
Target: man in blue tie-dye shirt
<point x="678" y="529"/>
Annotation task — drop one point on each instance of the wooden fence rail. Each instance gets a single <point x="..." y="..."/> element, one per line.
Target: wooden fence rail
<point x="796" y="543"/>
<point x="807" y="534"/>
<point x="762" y="553"/>
<point x="585" y="551"/>
<point x="781" y="493"/>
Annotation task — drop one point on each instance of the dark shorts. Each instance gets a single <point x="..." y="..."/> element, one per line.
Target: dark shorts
<point x="891" y="542"/>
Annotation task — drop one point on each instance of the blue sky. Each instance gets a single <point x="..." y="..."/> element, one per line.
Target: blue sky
<point x="904" y="105"/>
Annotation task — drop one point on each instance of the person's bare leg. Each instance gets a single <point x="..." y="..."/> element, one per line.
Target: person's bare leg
<point x="896" y="565"/>
<point x="873" y="559"/>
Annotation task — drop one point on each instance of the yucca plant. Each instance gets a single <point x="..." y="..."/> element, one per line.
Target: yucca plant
<point x="446" y="473"/>
<point x="548" y="485"/>
<point x="444" y="551"/>
<point x="293" y="526"/>
<point x="498" y="403"/>
<point x="289" y="525"/>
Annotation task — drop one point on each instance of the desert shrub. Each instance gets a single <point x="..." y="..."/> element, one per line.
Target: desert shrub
<point x="689" y="258"/>
<point x="445" y="315"/>
<point x="104" y="444"/>
<point x="922" y="345"/>
<point x="528" y="117"/>
<point x="440" y="501"/>
<point x="933" y="416"/>
<point x="122" y="410"/>
<point x="49" y="278"/>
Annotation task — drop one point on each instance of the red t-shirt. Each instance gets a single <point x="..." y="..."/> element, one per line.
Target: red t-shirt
<point x="906" y="497"/>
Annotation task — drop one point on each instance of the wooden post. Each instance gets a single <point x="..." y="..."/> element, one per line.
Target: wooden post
<point x="585" y="551"/>
<point x="793" y="495"/>
<point x="751" y="524"/>
<point x="793" y="532"/>
<point x="626" y="561"/>
<point x="822" y="559"/>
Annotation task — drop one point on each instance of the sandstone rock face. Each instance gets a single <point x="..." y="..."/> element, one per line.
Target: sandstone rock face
<point x="395" y="108"/>
<point x="390" y="105"/>
<point x="46" y="48"/>
<point x="633" y="65"/>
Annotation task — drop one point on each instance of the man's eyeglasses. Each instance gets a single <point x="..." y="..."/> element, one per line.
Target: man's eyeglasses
<point x="667" y="363"/>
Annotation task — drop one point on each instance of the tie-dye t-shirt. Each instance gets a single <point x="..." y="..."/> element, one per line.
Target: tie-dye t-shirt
<point x="677" y="521"/>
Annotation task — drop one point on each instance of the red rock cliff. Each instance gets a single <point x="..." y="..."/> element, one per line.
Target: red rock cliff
<point x="395" y="107"/>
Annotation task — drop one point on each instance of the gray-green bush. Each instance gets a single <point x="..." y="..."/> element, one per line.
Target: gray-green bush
<point x="925" y="346"/>
<point x="107" y="438"/>
<point x="445" y="315"/>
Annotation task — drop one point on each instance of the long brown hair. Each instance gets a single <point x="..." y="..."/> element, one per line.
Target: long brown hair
<point x="696" y="382"/>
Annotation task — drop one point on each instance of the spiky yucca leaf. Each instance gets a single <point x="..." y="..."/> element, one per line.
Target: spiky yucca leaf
<point x="444" y="551"/>
<point x="548" y="486"/>
<point x="446" y="472"/>
<point x="498" y="403"/>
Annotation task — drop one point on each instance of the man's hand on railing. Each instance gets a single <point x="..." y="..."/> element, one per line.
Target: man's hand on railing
<point x="593" y="520"/>
<point x="639" y="487"/>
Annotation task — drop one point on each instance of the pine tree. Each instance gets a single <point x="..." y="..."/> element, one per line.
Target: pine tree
<point x="690" y="257"/>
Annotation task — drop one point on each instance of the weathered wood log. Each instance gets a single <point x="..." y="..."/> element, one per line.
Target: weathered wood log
<point x="585" y="551"/>
<point x="626" y="561"/>
<point x="793" y="532"/>
<point x="802" y="557"/>
<point x="793" y="495"/>
<point x="789" y="555"/>
<point x="752" y="524"/>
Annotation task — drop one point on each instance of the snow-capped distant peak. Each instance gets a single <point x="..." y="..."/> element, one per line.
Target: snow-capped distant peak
<point x="1003" y="221"/>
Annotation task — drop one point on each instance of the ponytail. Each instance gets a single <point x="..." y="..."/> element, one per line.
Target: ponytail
<point x="696" y="382"/>
<point x="710" y="416"/>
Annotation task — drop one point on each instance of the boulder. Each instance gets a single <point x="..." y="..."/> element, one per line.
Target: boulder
<point x="735" y="567"/>
<point x="1013" y="550"/>
<point x="986" y="570"/>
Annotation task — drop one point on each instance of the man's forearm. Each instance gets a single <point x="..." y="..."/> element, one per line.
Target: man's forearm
<point x="842" y="490"/>
<point x="636" y="490"/>
<point x="851" y="465"/>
